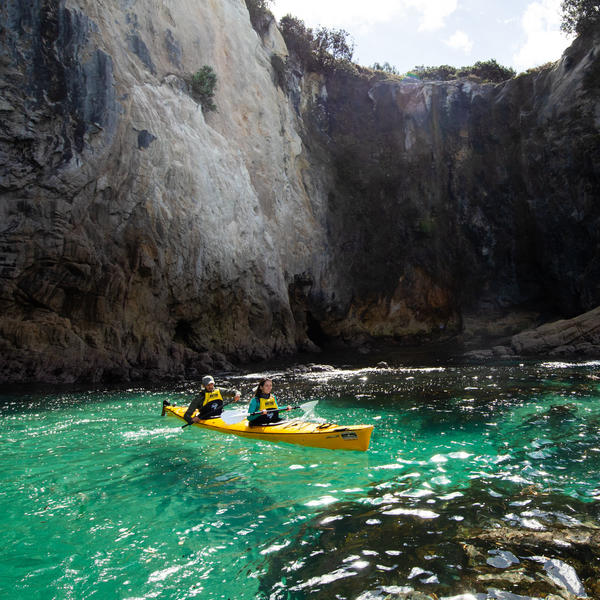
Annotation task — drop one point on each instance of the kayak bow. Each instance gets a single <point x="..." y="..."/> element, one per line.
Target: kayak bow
<point x="303" y="433"/>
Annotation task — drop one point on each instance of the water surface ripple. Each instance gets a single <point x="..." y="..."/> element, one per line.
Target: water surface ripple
<point x="481" y="482"/>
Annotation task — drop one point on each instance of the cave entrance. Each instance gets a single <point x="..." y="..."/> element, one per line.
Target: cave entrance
<point x="314" y="331"/>
<point x="183" y="333"/>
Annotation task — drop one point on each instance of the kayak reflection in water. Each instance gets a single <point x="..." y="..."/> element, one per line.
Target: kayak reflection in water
<point x="209" y="402"/>
<point x="265" y="403"/>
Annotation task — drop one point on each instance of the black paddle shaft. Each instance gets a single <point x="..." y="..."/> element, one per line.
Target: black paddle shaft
<point x="188" y="424"/>
<point x="259" y="412"/>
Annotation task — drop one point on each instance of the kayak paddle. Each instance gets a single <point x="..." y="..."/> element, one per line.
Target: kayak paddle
<point x="226" y="404"/>
<point x="167" y="403"/>
<point x="231" y="417"/>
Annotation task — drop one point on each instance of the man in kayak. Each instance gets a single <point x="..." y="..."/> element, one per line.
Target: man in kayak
<point x="265" y="403"/>
<point x="209" y="402"/>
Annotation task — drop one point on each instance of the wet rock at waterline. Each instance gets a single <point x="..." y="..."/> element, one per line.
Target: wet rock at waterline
<point x="578" y="336"/>
<point x="141" y="236"/>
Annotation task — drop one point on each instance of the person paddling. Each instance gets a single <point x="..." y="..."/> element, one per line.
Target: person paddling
<point x="265" y="402"/>
<point x="209" y="402"/>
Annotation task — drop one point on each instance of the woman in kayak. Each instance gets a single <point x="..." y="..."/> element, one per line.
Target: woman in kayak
<point x="265" y="403"/>
<point x="209" y="402"/>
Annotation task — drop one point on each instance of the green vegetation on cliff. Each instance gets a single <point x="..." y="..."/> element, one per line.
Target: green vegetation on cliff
<point x="482" y="71"/>
<point x="333" y="48"/>
<point x="488" y="71"/>
<point x="320" y="49"/>
<point x="203" y="86"/>
<point x="580" y="16"/>
<point x="260" y="15"/>
<point x="386" y="68"/>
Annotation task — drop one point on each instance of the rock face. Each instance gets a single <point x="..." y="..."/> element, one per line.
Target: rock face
<point x="142" y="237"/>
<point x="468" y="202"/>
<point x="578" y="336"/>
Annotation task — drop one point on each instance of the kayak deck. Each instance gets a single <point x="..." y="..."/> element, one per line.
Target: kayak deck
<point x="303" y="433"/>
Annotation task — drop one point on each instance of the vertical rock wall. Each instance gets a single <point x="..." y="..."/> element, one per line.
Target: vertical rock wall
<point x="141" y="236"/>
<point x="458" y="204"/>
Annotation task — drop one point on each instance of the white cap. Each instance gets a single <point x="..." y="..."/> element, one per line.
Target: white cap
<point x="206" y="381"/>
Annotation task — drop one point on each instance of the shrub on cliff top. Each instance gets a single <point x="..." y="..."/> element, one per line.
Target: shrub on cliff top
<point x="332" y="45"/>
<point x="441" y="73"/>
<point x="488" y="70"/>
<point x="323" y="48"/>
<point x="298" y="38"/>
<point x="484" y="71"/>
<point x="385" y="67"/>
<point x="203" y="86"/>
<point x="539" y="68"/>
<point x="580" y="16"/>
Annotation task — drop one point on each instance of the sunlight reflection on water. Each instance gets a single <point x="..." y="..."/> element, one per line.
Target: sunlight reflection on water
<point x="464" y="462"/>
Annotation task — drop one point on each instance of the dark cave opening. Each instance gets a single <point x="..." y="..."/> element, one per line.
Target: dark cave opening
<point x="183" y="332"/>
<point x="315" y="332"/>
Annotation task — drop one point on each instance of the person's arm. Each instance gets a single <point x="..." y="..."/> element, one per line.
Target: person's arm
<point x="253" y="408"/>
<point x="226" y="393"/>
<point x="190" y="410"/>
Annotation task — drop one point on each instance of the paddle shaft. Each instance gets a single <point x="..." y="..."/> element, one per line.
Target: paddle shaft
<point x="224" y="405"/>
<point x="258" y="412"/>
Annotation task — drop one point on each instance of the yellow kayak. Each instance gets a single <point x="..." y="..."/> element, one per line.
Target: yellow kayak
<point x="303" y="433"/>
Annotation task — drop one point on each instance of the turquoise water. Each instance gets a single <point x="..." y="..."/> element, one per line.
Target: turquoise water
<point x="103" y="498"/>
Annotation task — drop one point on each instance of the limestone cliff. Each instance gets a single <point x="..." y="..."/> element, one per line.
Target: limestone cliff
<point x="142" y="237"/>
<point x="138" y="234"/>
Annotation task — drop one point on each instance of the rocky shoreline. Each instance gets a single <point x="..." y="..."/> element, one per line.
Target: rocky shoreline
<point x="576" y="338"/>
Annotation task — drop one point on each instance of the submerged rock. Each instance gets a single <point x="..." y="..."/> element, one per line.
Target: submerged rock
<point x="565" y="576"/>
<point x="501" y="559"/>
<point x="406" y="551"/>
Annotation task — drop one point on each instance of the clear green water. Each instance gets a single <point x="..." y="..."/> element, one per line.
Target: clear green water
<point x="103" y="498"/>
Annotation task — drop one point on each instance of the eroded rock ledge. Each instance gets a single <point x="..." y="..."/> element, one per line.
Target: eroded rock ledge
<point x="579" y="337"/>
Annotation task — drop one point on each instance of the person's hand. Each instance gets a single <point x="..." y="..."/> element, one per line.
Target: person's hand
<point x="264" y="412"/>
<point x="288" y="408"/>
<point x="195" y="419"/>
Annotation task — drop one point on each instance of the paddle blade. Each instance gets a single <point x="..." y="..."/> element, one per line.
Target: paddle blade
<point x="233" y="416"/>
<point x="309" y="407"/>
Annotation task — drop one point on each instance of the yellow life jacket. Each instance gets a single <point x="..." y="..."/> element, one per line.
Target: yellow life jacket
<point x="268" y="403"/>
<point x="211" y="397"/>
